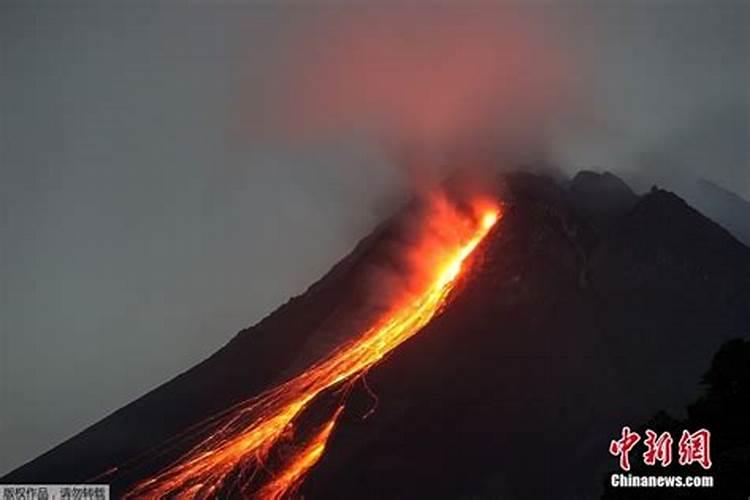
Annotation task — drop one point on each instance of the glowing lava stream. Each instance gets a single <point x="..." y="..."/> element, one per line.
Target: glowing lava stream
<point x="246" y="437"/>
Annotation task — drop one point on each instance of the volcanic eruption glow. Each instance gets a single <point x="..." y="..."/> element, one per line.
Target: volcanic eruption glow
<point x="237" y="452"/>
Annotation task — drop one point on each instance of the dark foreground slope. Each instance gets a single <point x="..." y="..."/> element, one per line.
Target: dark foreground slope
<point x="567" y="332"/>
<point x="586" y="310"/>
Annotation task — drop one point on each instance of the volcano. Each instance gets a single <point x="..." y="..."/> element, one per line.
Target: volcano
<point x="579" y="308"/>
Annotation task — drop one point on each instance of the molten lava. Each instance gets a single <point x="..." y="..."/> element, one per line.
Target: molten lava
<point x="287" y="482"/>
<point x="237" y="451"/>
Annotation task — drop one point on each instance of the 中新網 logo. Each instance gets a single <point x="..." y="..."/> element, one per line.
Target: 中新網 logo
<point x="693" y="447"/>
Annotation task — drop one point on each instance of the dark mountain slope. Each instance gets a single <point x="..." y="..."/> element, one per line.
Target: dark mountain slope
<point x="516" y="390"/>
<point x="572" y="322"/>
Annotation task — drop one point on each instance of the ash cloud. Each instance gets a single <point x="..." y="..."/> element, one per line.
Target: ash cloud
<point x="654" y="92"/>
<point x="436" y="88"/>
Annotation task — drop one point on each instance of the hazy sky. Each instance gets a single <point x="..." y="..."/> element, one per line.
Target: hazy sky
<point x="152" y="206"/>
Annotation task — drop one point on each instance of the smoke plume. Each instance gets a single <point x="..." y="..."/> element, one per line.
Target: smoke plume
<point x="450" y="88"/>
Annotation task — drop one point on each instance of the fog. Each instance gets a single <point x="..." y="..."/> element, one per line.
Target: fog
<point x="172" y="173"/>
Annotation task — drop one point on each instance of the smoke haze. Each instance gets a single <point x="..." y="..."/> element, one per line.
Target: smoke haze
<point x="452" y="86"/>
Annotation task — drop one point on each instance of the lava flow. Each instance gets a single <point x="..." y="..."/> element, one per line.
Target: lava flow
<point x="236" y="453"/>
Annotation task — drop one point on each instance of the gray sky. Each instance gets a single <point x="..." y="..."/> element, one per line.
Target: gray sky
<point x="149" y="212"/>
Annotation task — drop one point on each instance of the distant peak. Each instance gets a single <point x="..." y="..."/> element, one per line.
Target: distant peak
<point x="713" y="188"/>
<point x="590" y="181"/>
<point x="601" y="194"/>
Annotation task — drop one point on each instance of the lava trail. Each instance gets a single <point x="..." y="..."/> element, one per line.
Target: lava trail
<point x="236" y="454"/>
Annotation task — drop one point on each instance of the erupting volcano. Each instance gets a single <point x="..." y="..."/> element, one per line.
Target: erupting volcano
<point x="546" y="322"/>
<point x="240" y="443"/>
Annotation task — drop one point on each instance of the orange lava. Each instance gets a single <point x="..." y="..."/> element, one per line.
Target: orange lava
<point x="290" y="478"/>
<point x="240" y="446"/>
